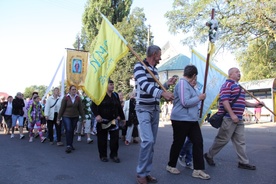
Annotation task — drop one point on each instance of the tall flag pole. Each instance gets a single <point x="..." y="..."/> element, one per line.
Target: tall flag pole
<point x="213" y="26"/>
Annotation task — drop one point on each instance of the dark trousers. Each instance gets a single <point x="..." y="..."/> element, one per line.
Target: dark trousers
<point x="182" y="129"/>
<point x="102" y="138"/>
<point x="50" y="124"/>
<point x="135" y="131"/>
<point x="69" y="125"/>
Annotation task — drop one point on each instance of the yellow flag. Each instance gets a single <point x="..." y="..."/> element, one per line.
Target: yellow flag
<point x="109" y="49"/>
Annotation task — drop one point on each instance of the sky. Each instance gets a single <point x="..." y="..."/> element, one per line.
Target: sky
<point x="35" y="33"/>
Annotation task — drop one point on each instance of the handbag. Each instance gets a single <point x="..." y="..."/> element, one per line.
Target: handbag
<point x="216" y="119"/>
<point x="109" y="124"/>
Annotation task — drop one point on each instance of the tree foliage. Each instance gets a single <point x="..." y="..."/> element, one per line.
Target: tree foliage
<point x="244" y="25"/>
<point x="258" y="61"/>
<point x="82" y="41"/>
<point x="131" y="26"/>
<point x="34" y="88"/>
<point x="114" y="10"/>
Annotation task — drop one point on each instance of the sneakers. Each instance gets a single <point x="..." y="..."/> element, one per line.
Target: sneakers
<point x="79" y="138"/>
<point x="59" y="143"/>
<point x="181" y="161"/>
<point x="189" y="165"/>
<point x="12" y="136"/>
<point x="200" y="174"/>
<point x="89" y="141"/>
<point x="22" y="136"/>
<point x="31" y="139"/>
<point x="116" y="159"/>
<point x="104" y="159"/>
<point x="68" y="149"/>
<point x="43" y="139"/>
<point x="246" y="166"/>
<point x="210" y="161"/>
<point x="126" y="142"/>
<point x="172" y="170"/>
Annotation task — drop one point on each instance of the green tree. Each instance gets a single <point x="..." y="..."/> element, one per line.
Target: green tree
<point x="34" y="88"/>
<point x="114" y="10"/>
<point x="241" y="24"/>
<point x="258" y="61"/>
<point x="82" y="41"/>
<point x="240" y="21"/>
<point x="134" y="30"/>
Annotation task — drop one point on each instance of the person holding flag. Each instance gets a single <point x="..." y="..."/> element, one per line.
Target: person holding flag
<point x="148" y="95"/>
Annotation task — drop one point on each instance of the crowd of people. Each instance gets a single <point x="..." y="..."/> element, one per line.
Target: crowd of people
<point x="138" y="118"/>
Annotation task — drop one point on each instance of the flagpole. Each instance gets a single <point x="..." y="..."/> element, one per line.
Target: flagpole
<point x="257" y="100"/>
<point x="206" y="69"/>
<point x="150" y="72"/>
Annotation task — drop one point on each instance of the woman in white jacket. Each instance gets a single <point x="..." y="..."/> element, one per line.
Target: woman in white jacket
<point x="51" y="112"/>
<point x="131" y="119"/>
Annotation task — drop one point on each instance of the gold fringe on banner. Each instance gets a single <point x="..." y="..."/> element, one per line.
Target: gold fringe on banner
<point x="76" y="67"/>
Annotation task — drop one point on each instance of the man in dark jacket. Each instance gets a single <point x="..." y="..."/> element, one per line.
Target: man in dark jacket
<point x="17" y="114"/>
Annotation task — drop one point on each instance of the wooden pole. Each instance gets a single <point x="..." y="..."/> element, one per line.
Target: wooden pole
<point x="257" y="100"/>
<point x="150" y="72"/>
<point x="206" y="70"/>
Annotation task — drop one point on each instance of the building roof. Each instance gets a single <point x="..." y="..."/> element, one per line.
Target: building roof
<point x="260" y="84"/>
<point x="178" y="62"/>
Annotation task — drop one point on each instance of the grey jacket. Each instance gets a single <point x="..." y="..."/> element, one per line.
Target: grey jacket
<point x="186" y="102"/>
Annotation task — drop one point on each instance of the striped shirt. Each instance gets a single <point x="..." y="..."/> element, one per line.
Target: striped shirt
<point x="147" y="89"/>
<point x="229" y="90"/>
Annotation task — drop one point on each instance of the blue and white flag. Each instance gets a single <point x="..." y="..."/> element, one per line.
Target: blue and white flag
<point x="215" y="79"/>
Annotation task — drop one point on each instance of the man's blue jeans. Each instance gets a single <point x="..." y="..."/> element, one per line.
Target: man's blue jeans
<point x="148" y="127"/>
<point x="70" y="125"/>
<point x="187" y="150"/>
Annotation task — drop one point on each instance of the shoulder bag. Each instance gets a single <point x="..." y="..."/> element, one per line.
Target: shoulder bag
<point x="216" y="119"/>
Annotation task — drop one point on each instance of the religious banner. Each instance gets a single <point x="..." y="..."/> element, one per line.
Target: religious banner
<point x="215" y="79"/>
<point x="109" y="49"/>
<point x="76" y="67"/>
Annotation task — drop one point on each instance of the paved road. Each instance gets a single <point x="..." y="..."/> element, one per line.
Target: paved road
<point x="36" y="163"/>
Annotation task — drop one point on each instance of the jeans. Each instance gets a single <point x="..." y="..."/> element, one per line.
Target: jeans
<point x="187" y="150"/>
<point x="19" y="118"/>
<point x="131" y="132"/>
<point x="70" y="125"/>
<point x="148" y="127"/>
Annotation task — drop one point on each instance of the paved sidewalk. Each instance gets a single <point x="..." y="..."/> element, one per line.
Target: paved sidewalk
<point x="267" y="126"/>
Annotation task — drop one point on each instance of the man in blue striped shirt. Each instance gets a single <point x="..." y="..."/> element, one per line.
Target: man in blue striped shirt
<point x="232" y="126"/>
<point x="148" y="94"/>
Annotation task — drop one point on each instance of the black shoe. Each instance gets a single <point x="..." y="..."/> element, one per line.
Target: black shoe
<point x="151" y="179"/>
<point x="104" y="159"/>
<point x="68" y="149"/>
<point x="246" y="166"/>
<point x="210" y="161"/>
<point x="116" y="160"/>
<point x="73" y="148"/>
